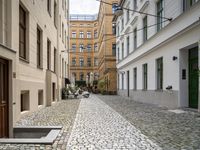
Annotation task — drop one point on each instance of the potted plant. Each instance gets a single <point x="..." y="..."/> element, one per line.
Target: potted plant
<point x="65" y="93"/>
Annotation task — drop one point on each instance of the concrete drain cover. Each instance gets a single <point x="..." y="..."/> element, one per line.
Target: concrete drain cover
<point x="33" y="135"/>
<point x="177" y="111"/>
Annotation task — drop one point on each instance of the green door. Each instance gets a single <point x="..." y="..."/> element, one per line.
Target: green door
<point x="193" y="78"/>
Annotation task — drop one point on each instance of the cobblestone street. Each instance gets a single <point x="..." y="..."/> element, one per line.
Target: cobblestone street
<point x="169" y="130"/>
<point x="114" y="122"/>
<point x="97" y="126"/>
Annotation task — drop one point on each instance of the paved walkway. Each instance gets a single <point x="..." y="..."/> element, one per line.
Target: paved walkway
<point x="98" y="126"/>
<point x="169" y="130"/>
<point x="113" y="122"/>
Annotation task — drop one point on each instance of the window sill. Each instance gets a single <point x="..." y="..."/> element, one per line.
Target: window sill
<point x="24" y="60"/>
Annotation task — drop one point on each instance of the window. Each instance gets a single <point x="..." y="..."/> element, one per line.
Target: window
<point x="127" y="16"/>
<point x="114" y="28"/>
<point x="122" y="81"/>
<point x="63" y="4"/>
<point x="73" y="34"/>
<point x="95" y="34"/>
<point x="81" y="48"/>
<point x="114" y="49"/>
<point x="95" y="47"/>
<point x="25" y="101"/>
<point x="145" y="29"/>
<point x="49" y="7"/>
<point x="135" y="78"/>
<point x="40" y="97"/>
<point x="22" y="33"/>
<point x="53" y="91"/>
<point x="95" y="61"/>
<point x="122" y="50"/>
<point x="89" y="35"/>
<point x="81" y="34"/>
<point x="128" y="44"/>
<point x="89" y="47"/>
<point x="114" y="6"/>
<point x="39" y="48"/>
<point x="159" y="14"/>
<point x="65" y="39"/>
<point x="188" y="3"/>
<point x="81" y="76"/>
<point x="159" y="67"/>
<point x="122" y="24"/>
<point x="145" y="76"/>
<point x="135" y="4"/>
<point x="73" y="47"/>
<point x="81" y="62"/>
<point x="63" y="32"/>
<point x="55" y="59"/>
<point x="74" y="61"/>
<point x="48" y="54"/>
<point x="135" y="38"/>
<point x="89" y="62"/>
<point x="63" y="67"/>
<point x="55" y="15"/>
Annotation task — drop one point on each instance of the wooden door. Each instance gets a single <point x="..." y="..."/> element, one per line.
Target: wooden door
<point x="193" y="78"/>
<point x="3" y="98"/>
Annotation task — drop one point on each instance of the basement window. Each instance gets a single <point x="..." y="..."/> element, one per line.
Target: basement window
<point x="25" y="101"/>
<point x="40" y="97"/>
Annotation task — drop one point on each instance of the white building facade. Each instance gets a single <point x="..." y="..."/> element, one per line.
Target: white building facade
<point x="33" y="58"/>
<point x="158" y="58"/>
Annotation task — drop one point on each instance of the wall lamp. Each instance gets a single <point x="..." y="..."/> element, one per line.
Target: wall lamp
<point x="174" y="58"/>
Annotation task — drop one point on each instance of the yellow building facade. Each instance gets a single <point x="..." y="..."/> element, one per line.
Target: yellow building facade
<point x="96" y="32"/>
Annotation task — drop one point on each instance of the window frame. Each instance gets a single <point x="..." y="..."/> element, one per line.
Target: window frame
<point x="135" y="78"/>
<point x="145" y="76"/>
<point x="23" y="27"/>
<point x="159" y="12"/>
<point x="39" y="47"/>
<point x="49" y="7"/>
<point x="159" y="73"/>
<point x="145" y="29"/>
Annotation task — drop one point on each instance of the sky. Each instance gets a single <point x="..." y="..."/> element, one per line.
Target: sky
<point x="84" y="6"/>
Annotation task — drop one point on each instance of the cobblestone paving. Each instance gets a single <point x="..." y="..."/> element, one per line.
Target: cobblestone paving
<point x="62" y="113"/>
<point x="98" y="126"/>
<point x="167" y="129"/>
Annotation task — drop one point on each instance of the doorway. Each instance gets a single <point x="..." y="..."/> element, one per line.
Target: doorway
<point x="128" y="86"/>
<point x="193" y="77"/>
<point x="3" y="98"/>
<point x="53" y="92"/>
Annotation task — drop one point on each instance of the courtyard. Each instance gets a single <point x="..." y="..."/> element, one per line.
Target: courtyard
<point x="114" y="122"/>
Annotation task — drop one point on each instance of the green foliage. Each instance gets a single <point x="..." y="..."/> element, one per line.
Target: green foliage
<point x="95" y="82"/>
<point x="101" y="85"/>
<point x="80" y="83"/>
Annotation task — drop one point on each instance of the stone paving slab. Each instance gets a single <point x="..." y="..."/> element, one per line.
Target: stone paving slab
<point x="169" y="130"/>
<point x="98" y="126"/>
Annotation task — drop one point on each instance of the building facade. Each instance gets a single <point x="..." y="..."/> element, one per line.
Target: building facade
<point x="158" y="58"/>
<point x="107" y="47"/>
<point x="83" y="48"/>
<point x="103" y="46"/>
<point x="32" y="66"/>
